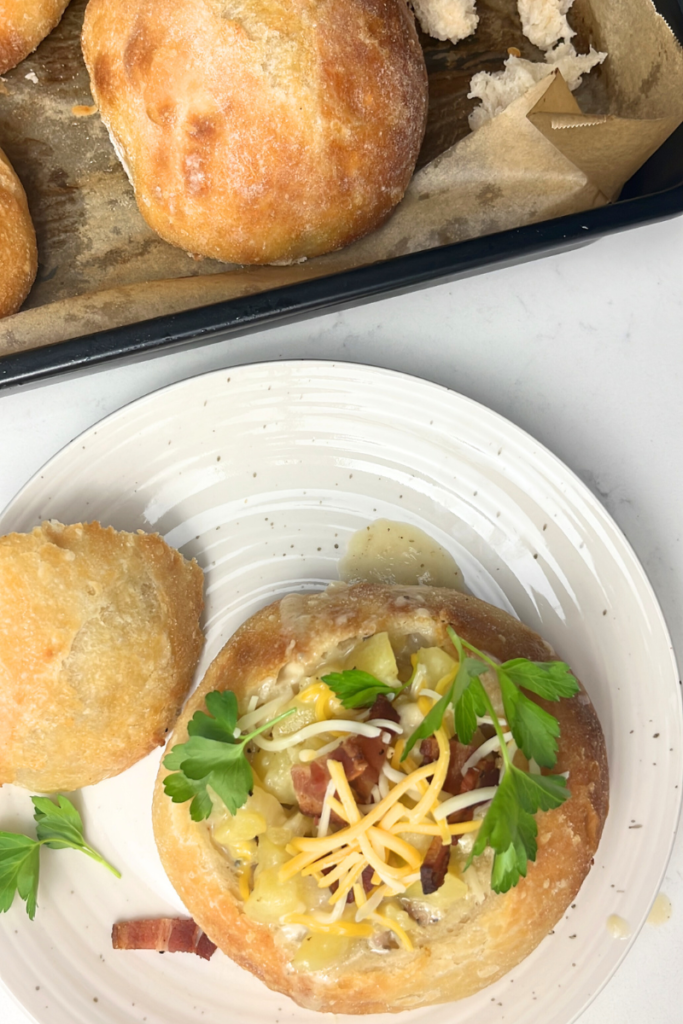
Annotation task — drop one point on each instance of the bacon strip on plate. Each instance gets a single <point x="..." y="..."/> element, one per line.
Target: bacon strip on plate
<point x="164" y="934"/>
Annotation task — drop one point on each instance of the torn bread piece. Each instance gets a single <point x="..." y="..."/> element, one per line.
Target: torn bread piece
<point x="99" y="641"/>
<point x="498" y="89"/>
<point x="544" y="22"/>
<point x="446" y="19"/>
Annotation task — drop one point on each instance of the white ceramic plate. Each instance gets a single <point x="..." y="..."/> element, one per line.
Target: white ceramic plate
<point x="263" y="473"/>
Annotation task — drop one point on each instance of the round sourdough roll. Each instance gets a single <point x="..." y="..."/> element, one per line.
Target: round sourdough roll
<point x="260" y="131"/>
<point x="18" y="251"/>
<point x="99" y="640"/>
<point x="23" y="25"/>
<point x="484" y="934"/>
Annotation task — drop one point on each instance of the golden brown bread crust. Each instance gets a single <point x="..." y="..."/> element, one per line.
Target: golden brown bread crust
<point x="23" y="25"/>
<point x="18" y="252"/>
<point x="260" y="131"/>
<point x="459" y="957"/>
<point x="99" y="640"/>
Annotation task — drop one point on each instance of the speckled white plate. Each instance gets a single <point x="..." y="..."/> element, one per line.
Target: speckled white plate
<point x="263" y="473"/>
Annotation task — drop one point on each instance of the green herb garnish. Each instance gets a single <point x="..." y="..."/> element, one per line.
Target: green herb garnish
<point x="213" y="756"/>
<point x="357" y="689"/>
<point x="509" y="827"/>
<point x="59" y="827"/>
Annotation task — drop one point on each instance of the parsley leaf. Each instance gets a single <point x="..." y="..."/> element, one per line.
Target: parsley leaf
<point x="548" y="679"/>
<point x="469" y="699"/>
<point x="510" y="828"/>
<point x="357" y="689"/>
<point x="534" y="730"/>
<point x="59" y="827"/>
<point x="19" y="870"/>
<point x="214" y="755"/>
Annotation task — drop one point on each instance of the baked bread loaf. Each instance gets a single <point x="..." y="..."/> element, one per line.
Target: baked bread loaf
<point x="23" y="25"/>
<point x="18" y="251"/>
<point x="238" y="878"/>
<point x="260" y="131"/>
<point x="99" y="640"/>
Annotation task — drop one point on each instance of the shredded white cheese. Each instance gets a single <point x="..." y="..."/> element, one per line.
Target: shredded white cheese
<point x="484" y="750"/>
<point x="459" y="803"/>
<point x="314" y="729"/>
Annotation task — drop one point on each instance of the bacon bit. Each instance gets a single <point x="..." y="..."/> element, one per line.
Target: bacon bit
<point x="374" y="750"/>
<point x="366" y="879"/>
<point x="310" y="782"/>
<point x="429" y="749"/>
<point x="164" y="934"/>
<point x="352" y="757"/>
<point x="383" y="708"/>
<point x="482" y="774"/>
<point x="434" y="866"/>
<point x="361" y="757"/>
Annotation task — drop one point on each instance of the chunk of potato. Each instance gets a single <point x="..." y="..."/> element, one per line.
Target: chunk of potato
<point x="437" y="664"/>
<point x="317" y="952"/>
<point x="275" y="771"/>
<point x="271" y="899"/>
<point x="376" y="656"/>
<point x="304" y="714"/>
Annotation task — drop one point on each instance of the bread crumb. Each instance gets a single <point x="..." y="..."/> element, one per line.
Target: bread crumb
<point x="446" y="19"/>
<point x="32" y="77"/>
<point x="498" y="89"/>
<point x="81" y="110"/>
<point x="544" y="22"/>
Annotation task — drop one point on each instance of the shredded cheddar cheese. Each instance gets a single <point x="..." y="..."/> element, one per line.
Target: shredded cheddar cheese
<point x="353" y="929"/>
<point x="366" y="851"/>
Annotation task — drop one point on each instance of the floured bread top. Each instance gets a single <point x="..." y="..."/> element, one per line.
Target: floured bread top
<point x="260" y="131"/>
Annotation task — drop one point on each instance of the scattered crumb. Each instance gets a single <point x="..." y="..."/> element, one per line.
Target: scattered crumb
<point x="32" y="77"/>
<point x="83" y="110"/>
<point x="544" y="22"/>
<point x="446" y="19"/>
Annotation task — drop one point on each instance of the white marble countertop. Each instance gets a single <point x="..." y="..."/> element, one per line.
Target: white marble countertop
<point x="583" y="350"/>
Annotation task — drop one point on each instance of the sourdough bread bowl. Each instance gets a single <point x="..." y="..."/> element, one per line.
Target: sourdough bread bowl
<point x="260" y="131"/>
<point x="99" y="641"/>
<point x="18" y="250"/>
<point x="23" y="25"/>
<point x="460" y="940"/>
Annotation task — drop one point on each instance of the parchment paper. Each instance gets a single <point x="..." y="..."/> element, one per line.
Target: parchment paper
<point x="551" y="153"/>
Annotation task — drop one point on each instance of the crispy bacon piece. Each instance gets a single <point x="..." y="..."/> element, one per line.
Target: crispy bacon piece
<point x="460" y="753"/>
<point x="352" y="757"/>
<point x="366" y="878"/>
<point x="484" y="773"/>
<point x="434" y="866"/>
<point x="374" y="750"/>
<point x="310" y="782"/>
<point x="361" y="757"/>
<point x="164" y="934"/>
<point x="383" y="708"/>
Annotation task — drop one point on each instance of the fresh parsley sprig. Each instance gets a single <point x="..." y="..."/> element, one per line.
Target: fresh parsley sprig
<point x="59" y="827"/>
<point x="213" y="756"/>
<point x="509" y="827"/>
<point x="358" y="689"/>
